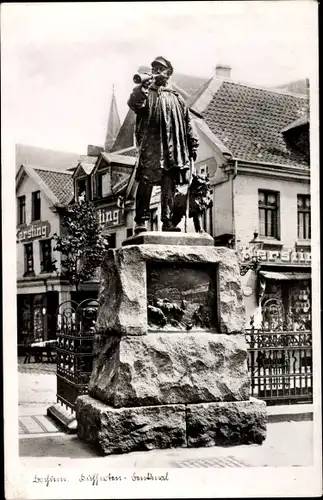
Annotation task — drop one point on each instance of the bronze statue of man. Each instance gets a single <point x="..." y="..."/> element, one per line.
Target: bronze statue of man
<point x="165" y="140"/>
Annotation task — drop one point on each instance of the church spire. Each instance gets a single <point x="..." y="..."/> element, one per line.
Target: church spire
<point x="113" y="124"/>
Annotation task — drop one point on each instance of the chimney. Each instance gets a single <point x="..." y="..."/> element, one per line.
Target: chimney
<point x="222" y="70"/>
<point x="94" y="150"/>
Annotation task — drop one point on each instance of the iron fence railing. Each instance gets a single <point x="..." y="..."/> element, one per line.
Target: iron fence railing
<point x="75" y="336"/>
<point x="280" y="365"/>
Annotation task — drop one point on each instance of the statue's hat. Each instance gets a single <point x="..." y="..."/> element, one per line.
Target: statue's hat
<point x="164" y="62"/>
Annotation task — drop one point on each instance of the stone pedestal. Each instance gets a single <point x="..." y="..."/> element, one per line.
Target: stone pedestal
<point x="170" y="367"/>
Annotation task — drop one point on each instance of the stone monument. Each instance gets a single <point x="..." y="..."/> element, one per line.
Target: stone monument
<point x="170" y="368"/>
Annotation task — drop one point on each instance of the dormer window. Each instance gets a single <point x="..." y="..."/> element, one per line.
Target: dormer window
<point x="103" y="184"/>
<point x="82" y="189"/>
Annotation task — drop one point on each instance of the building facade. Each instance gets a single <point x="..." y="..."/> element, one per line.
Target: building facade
<point x="254" y="145"/>
<point x="40" y="193"/>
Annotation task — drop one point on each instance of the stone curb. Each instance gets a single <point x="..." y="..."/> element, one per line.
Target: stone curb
<point x="290" y="413"/>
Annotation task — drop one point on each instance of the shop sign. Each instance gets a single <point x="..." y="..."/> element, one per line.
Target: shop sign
<point x="249" y="254"/>
<point x="33" y="232"/>
<point x="109" y="216"/>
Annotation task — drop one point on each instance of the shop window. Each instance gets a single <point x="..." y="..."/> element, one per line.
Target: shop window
<point x="268" y="210"/>
<point x="82" y="190"/>
<point x="300" y="304"/>
<point x="103" y="184"/>
<point x="29" y="259"/>
<point x="46" y="256"/>
<point x="303" y="217"/>
<point x="35" y="211"/>
<point x="21" y="216"/>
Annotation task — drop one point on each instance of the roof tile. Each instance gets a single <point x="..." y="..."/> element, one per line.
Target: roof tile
<point x="249" y="122"/>
<point x="60" y="183"/>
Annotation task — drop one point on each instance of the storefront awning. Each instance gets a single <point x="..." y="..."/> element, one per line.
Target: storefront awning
<point x="273" y="275"/>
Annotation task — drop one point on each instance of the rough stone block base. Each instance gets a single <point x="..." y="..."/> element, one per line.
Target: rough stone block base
<point x="176" y="368"/>
<point x="121" y="430"/>
<point x="226" y="424"/>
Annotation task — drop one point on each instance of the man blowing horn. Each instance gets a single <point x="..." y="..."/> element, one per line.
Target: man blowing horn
<point x="165" y="140"/>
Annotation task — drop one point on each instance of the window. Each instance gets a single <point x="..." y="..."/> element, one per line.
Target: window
<point x="29" y="259"/>
<point x="268" y="214"/>
<point x="103" y="184"/>
<point x="21" y="218"/>
<point x="46" y="256"/>
<point x="81" y="189"/>
<point x="112" y="240"/>
<point x="129" y="232"/>
<point x="204" y="169"/>
<point x="304" y="216"/>
<point x="35" y="215"/>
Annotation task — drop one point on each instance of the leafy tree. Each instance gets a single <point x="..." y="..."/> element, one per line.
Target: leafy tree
<point x="83" y="245"/>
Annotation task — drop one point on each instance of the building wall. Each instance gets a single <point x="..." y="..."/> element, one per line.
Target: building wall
<point x="246" y="206"/>
<point x="222" y="209"/>
<point x="246" y="223"/>
<point x="26" y="188"/>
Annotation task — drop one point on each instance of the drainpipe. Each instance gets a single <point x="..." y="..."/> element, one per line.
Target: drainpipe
<point x="234" y="174"/>
<point x="45" y="316"/>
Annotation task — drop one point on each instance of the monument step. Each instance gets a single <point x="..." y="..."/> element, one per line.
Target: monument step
<point x="169" y="238"/>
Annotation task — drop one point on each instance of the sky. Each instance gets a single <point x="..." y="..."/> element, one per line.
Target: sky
<point x="60" y="61"/>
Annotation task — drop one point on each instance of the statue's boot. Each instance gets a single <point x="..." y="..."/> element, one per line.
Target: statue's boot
<point x="140" y="227"/>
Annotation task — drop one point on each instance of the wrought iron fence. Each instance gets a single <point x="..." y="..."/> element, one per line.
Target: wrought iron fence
<point x="75" y="336"/>
<point x="280" y="365"/>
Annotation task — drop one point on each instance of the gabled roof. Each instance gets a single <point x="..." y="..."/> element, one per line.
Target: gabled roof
<point x="296" y="87"/>
<point x="83" y="168"/>
<point x="32" y="155"/>
<point x="116" y="158"/>
<point x="132" y="151"/>
<point x="187" y="85"/>
<point x="60" y="183"/>
<point x="249" y="120"/>
<point x="56" y="185"/>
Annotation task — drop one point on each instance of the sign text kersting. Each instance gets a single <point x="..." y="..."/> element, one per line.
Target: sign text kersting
<point x="33" y="232"/>
<point x="274" y="256"/>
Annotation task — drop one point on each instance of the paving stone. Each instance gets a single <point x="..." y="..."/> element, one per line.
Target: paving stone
<point x="210" y="462"/>
<point x="36" y="424"/>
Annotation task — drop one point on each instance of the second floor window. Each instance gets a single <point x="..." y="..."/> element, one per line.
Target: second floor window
<point x="29" y="259"/>
<point x="304" y="217"/>
<point x="45" y="256"/>
<point x="268" y="211"/>
<point x="35" y="210"/>
<point x="21" y="216"/>
<point x="103" y="184"/>
<point x="81" y="190"/>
